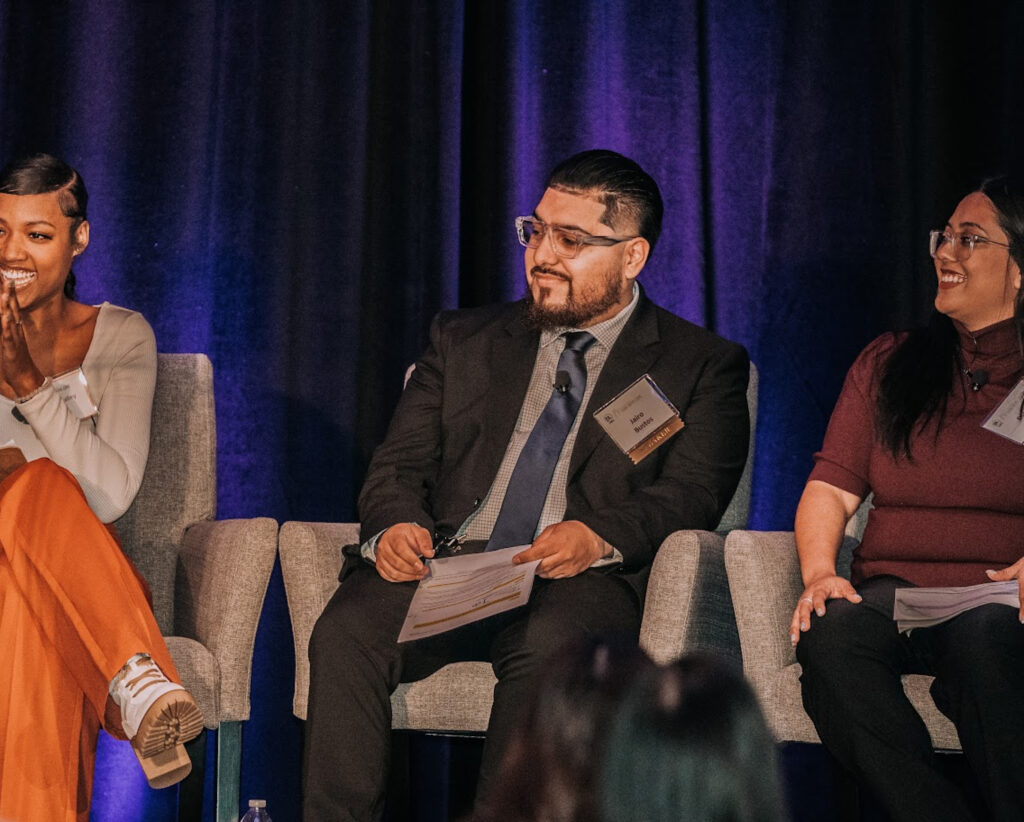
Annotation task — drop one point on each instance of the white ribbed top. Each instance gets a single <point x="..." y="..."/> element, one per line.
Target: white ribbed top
<point x="107" y="453"/>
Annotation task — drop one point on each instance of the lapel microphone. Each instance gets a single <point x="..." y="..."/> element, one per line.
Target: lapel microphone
<point x="978" y="378"/>
<point x="563" y="382"/>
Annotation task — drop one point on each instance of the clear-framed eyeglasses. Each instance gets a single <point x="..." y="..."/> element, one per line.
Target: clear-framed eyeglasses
<point x="566" y="242"/>
<point x="961" y="246"/>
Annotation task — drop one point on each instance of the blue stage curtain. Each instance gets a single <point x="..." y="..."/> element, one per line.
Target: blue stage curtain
<point x="295" y="188"/>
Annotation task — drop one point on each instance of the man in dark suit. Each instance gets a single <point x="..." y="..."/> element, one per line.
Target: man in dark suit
<point x="464" y="455"/>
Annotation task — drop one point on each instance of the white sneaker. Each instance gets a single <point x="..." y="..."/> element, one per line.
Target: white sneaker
<point x="158" y="716"/>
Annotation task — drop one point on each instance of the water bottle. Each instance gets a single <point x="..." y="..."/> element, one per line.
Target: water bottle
<point x="257" y="811"/>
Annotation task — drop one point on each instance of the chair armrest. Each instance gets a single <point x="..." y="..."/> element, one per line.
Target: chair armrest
<point x="310" y="562"/>
<point x="764" y="578"/>
<point x="223" y="571"/>
<point x="688" y="606"/>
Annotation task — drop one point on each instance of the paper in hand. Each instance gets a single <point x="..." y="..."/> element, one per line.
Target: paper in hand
<point x="924" y="607"/>
<point x="464" y="589"/>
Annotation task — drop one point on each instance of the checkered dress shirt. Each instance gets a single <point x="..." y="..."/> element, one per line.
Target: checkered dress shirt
<point x="552" y="343"/>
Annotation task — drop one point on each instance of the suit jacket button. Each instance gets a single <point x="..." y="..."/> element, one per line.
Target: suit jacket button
<point x="476" y="502"/>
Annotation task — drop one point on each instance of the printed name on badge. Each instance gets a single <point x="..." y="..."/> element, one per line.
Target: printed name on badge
<point x="640" y="419"/>
<point x="1007" y="418"/>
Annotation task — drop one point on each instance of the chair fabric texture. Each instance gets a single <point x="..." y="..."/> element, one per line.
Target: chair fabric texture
<point x="179" y="486"/>
<point x="764" y="577"/>
<point x="688" y="607"/>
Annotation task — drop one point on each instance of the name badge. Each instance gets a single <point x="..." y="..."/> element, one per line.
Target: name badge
<point x="640" y="419"/>
<point x="1007" y="418"/>
<point x="74" y="390"/>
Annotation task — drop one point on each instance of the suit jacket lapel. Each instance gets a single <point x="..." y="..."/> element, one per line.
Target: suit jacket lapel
<point x="510" y="367"/>
<point x="636" y="349"/>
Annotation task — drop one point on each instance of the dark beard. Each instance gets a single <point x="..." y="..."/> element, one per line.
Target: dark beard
<point x="577" y="311"/>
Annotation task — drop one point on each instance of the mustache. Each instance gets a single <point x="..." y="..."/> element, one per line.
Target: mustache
<point x="550" y="272"/>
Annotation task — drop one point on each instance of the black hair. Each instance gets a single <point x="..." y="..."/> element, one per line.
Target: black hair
<point x="620" y="185"/>
<point x="1007" y="195"/>
<point x="690" y="742"/>
<point x="553" y="758"/>
<point x="918" y="378"/>
<point x="43" y="174"/>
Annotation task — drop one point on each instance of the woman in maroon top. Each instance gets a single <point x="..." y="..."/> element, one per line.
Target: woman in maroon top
<point x="949" y="510"/>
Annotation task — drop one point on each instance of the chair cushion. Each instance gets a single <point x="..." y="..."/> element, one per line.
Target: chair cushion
<point x="455" y="699"/>
<point x="789" y="722"/>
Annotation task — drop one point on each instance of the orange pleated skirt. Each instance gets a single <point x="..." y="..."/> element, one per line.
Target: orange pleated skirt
<point x="73" y="610"/>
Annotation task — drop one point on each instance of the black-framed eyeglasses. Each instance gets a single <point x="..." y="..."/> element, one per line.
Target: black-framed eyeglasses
<point x="566" y="242"/>
<point x="961" y="246"/>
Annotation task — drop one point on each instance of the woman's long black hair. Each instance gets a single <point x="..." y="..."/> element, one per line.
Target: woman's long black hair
<point x="918" y="378"/>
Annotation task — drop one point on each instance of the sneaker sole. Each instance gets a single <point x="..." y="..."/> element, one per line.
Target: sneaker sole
<point x="171" y="720"/>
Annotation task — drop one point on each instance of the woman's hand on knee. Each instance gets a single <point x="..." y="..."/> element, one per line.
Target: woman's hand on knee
<point x="814" y="597"/>
<point x="1015" y="571"/>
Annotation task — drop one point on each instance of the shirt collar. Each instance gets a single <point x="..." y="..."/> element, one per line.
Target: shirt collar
<point x="605" y="332"/>
<point x="996" y="339"/>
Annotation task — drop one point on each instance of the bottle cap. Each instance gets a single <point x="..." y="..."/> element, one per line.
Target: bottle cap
<point x="257" y="803"/>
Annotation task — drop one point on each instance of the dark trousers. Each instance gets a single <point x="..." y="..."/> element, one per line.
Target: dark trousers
<point x="852" y="661"/>
<point x="356" y="662"/>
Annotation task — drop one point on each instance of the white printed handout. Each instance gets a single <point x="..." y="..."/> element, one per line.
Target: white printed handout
<point x="924" y="607"/>
<point x="464" y="589"/>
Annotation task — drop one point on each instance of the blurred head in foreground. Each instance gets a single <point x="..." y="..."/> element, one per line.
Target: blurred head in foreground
<point x="549" y="770"/>
<point x="689" y="743"/>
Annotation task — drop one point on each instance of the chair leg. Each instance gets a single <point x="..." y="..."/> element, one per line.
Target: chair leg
<point x="229" y="766"/>
<point x="190" y="792"/>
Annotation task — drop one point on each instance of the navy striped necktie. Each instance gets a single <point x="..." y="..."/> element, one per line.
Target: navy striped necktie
<point x="531" y="478"/>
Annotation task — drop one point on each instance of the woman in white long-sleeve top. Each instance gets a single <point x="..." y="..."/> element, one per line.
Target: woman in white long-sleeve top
<point x="79" y="642"/>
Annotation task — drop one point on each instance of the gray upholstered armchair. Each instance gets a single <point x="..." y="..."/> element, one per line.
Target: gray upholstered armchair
<point x="764" y="578"/>
<point x="208" y="577"/>
<point x="688" y="607"/>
